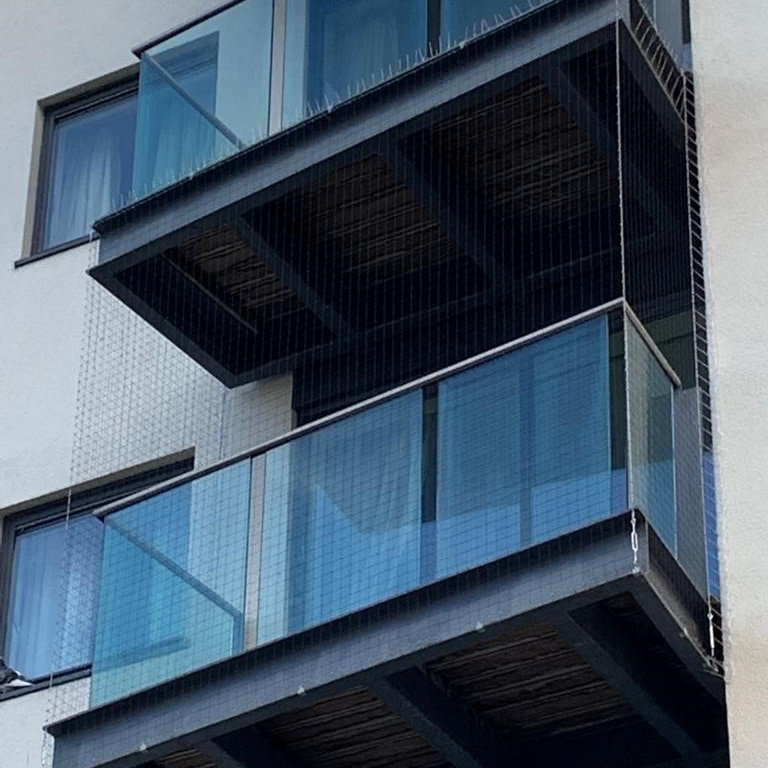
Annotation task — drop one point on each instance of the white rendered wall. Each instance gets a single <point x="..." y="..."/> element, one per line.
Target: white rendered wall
<point x="731" y="66"/>
<point x="49" y="47"/>
<point x="138" y="397"/>
<point x="21" y="724"/>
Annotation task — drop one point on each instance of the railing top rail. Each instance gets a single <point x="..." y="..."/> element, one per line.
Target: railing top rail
<point x="651" y="344"/>
<point x="522" y="341"/>
<point x="138" y="50"/>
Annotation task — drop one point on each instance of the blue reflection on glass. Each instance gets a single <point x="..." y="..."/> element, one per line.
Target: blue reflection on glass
<point x="336" y="49"/>
<point x="173" y="589"/>
<point x="524" y="448"/>
<point x="203" y="95"/>
<point x="342" y="518"/>
<point x="91" y="168"/>
<point x="53" y="596"/>
<point x="651" y="439"/>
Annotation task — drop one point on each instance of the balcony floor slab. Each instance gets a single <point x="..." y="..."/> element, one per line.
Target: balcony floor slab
<point x="512" y="663"/>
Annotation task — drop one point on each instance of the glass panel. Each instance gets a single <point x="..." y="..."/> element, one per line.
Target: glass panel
<point x="203" y="94"/>
<point x="464" y="19"/>
<point x="650" y="7"/>
<point x="54" y="588"/>
<point x="173" y="591"/>
<point x="342" y="518"/>
<point x="173" y="137"/>
<point x="91" y="168"/>
<point x="524" y="448"/>
<point x="336" y="49"/>
<point x="651" y="439"/>
<point x="507" y="454"/>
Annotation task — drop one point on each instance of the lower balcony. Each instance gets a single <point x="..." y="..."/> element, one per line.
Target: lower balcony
<point x="492" y="564"/>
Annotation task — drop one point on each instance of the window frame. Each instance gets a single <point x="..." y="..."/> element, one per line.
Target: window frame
<point x="125" y="87"/>
<point x="81" y="503"/>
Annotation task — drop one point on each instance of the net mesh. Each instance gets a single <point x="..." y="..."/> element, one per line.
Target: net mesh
<point x="498" y="182"/>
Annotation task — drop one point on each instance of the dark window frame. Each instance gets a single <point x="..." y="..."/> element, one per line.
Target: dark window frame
<point x="92" y="100"/>
<point x="80" y="504"/>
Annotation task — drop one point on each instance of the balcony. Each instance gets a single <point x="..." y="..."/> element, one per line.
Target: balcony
<point x="252" y="69"/>
<point x="485" y="562"/>
<point x="476" y="194"/>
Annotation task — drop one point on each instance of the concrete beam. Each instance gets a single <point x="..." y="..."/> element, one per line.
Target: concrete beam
<point x="626" y="665"/>
<point x="447" y="723"/>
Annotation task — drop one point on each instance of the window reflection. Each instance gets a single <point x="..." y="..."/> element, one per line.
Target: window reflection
<point x="350" y="46"/>
<point x="54" y="588"/>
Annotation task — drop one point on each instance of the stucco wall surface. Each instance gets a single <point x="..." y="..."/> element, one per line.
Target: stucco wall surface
<point x="731" y="62"/>
<point x="50" y="47"/>
<point x="22" y="719"/>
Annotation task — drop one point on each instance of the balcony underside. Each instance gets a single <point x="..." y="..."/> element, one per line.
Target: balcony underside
<point x="572" y="654"/>
<point x="486" y="179"/>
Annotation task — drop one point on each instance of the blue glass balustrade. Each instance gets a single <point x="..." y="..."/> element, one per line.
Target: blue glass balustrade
<point x="225" y="83"/>
<point x="173" y="590"/>
<point x="342" y="518"/>
<point x="203" y="95"/>
<point x="651" y="433"/>
<point x="336" y="49"/>
<point x="524" y="448"/>
<point x="521" y="448"/>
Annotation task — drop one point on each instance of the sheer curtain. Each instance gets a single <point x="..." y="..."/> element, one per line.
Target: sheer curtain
<point x="86" y="179"/>
<point x="174" y="136"/>
<point x="361" y="42"/>
<point x="371" y="44"/>
<point x="355" y="519"/>
<point x="524" y="448"/>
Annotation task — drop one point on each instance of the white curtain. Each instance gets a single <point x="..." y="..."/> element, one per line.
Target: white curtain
<point x="355" y="531"/>
<point x="361" y="41"/>
<point x="174" y="138"/>
<point x="86" y="179"/>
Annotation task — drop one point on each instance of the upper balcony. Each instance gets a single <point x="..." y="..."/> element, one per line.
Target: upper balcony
<point x="256" y="67"/>
<point x="495" y="563"/>
<point x="320" y="183"/>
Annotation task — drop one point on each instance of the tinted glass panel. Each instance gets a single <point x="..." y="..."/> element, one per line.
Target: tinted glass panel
<point x="651" y="439"/>
<point x="90" y="169"/>
<point x="203" y="94"/>
<point x="524" y="448"/>
<point x="338" y="48"/>
<point x="173" y="591"/>
<point x="342" y="518"/>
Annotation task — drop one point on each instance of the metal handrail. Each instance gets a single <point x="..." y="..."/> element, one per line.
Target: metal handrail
<point x="616" y="304"/>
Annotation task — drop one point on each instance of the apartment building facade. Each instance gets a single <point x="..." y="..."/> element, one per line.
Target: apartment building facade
<point x="362" y="374"/>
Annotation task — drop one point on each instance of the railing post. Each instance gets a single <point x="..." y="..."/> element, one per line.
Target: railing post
<point x="253" y="563"/>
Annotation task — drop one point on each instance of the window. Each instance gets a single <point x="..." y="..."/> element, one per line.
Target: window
<point x="51" y="573"/>
<point x="87" y="166"/>
<point x="53" y="595"/>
